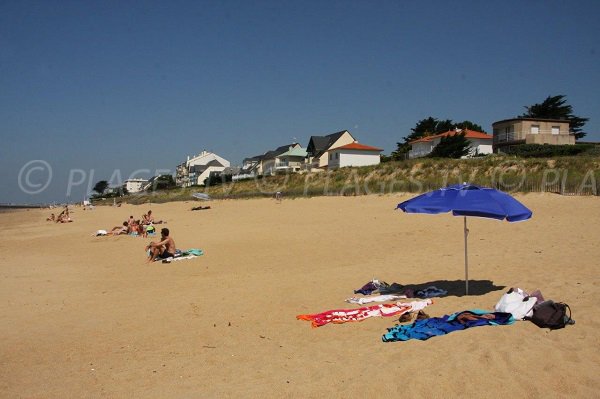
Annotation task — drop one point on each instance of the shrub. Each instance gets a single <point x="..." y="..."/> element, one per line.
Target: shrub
<point x="546" y="150"/>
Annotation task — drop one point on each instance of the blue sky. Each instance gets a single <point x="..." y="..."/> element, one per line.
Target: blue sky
<point x="102" y="89"/>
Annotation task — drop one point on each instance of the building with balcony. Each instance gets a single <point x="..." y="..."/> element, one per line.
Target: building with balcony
<point x="292" y="160"/>
<point x="511" y="132"/>
<point x="197" y="168"/>
<point x="271" y="160"/>
<point x="134" y="185"/>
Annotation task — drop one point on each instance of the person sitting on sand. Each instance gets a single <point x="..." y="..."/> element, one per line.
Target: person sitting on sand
<point x="51" y="218"/>
<point x="149" y="219"/>
<point x="64" y="217"/>
<point x="140" y="228"/>
<point x="163" y="249"/>
<point x="149" y="229"/>
<point x="132" y="227"/>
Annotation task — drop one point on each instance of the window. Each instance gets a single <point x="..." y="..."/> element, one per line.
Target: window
<point x="535" y="129"/>
<point x="555" y="129"/>
<point x="330" y="156"/>
<point x="337" y="155"/>
<point x="509" y="133"/>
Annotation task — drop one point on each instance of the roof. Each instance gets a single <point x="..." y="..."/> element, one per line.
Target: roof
<point x="295" y="152"/>
<point x="278" y="151"/>
<point x="531" y="119"/>
<point x="469" y="134"/>
<point x="202" y="168"/>
<point x="317" y="145"/>
<point x="252" y="159"/>
<point x="357" y="146"/>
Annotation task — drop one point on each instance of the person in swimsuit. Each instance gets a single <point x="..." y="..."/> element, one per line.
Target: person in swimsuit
<point x="118" y="230"/>
<point x="163" y="249"/>
<point x="149" y="219"/>
<point x="148" y="230"/>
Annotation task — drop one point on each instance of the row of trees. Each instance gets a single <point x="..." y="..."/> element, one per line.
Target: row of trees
<point x="553" y="107"/>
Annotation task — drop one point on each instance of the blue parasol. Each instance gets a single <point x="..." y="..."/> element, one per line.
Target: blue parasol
<point x="468" y="200"/>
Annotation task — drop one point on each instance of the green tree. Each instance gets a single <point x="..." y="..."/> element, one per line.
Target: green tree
<point x="429" y="127"/>
<point x="556" y="107"/>
<point x="162" y="182"/>
<point x="101" y="187"/>
<point x="425" y="127"/>
<point x="453" y="146"/>
<point x="469" y="125"/>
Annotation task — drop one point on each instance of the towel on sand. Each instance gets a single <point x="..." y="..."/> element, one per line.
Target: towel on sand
<point x="427" y="328"/>
<point x="339" y="316"/>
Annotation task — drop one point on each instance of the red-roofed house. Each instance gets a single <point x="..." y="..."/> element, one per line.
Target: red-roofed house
<point x="353" y="154"/>
<point x="480" y="143"/>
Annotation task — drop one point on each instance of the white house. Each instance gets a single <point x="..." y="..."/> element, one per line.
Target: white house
<point x="134" y="185"/>
<point x="353" y="154"/>
<point x="319" y="145"/>
<point x="479" y="143"/>
<point x="197" y="168"/>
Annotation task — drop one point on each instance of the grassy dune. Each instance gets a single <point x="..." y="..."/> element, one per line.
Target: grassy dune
<point x="566" y="175"/>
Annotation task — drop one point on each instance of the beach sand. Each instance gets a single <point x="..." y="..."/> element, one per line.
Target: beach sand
<point x="85" y="316"/>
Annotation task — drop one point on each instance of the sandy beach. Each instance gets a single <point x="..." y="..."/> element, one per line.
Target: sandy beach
<point x="85" y="316"/>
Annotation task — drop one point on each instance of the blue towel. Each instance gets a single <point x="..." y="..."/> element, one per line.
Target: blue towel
<point x="435" y="326"/>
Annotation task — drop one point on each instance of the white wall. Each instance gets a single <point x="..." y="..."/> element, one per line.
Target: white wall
<point x="344" y="139"/>
<point x="135" y="186"/>
<point x="420" y="149"/>
<point x="359" y="158"/>
<point x="353" y="158"/>
<point x="482" y="146"/>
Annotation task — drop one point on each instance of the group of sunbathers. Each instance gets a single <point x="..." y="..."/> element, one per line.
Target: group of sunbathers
<point x="140" y="227"/>
<point x="62" y="217"/>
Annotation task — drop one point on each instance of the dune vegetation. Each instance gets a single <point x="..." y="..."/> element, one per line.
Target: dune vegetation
<point x="565" y="175"/>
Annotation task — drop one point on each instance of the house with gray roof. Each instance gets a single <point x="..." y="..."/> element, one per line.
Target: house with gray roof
<point x="197" y="168"/>
<point x="318" y="147"/>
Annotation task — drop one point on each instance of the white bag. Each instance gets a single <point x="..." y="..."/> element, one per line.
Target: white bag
<point x="516" y="302"/>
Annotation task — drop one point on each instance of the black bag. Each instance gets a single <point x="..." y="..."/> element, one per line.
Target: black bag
<point x="552" y="315"/>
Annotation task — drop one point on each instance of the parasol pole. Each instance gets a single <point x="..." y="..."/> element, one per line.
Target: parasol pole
<point x="466" y="260"/>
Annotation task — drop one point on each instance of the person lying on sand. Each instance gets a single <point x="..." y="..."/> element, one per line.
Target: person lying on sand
<point x="163" y="249"/>
<point x="115" y="231"/>
<point x="200" y="208"/>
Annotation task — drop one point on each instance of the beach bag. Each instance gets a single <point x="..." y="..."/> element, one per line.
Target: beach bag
<point x="517" y="303"/>
<point x="552" y="315"/>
